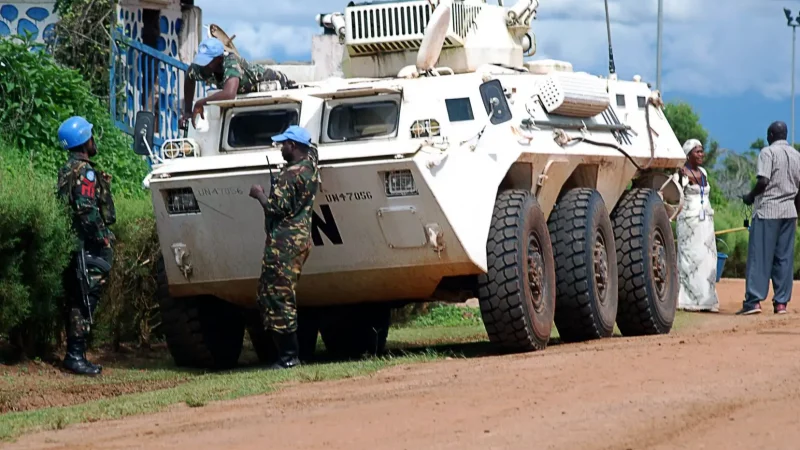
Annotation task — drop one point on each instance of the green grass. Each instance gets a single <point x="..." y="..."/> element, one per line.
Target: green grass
<point x="198" y="391"/>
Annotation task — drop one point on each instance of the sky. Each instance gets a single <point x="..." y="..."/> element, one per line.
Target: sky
<point x="732" y="63"/>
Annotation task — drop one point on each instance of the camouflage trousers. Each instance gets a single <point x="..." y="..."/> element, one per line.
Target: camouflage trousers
<point x="276" y="290"/>
<point x="76" y="313"/>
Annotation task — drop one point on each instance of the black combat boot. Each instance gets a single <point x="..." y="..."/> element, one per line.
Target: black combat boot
<point x="288" y="350"/>
<point x="75" y="358"/>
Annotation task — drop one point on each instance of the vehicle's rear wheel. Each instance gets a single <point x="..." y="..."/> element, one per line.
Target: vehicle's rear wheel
<point x="201" y="332"/>
<point x="647" y="264"/>
<point x="586" y="266"/>
<point x="307" y="332"/>
<point x="352" y="331"/>
<point x="517" y="294"/>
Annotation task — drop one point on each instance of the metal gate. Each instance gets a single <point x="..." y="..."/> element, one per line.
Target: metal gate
<point x="145" y="79"/>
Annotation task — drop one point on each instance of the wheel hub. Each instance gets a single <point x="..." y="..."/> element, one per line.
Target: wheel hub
<point x="536" y="273"/>
<point x="658" y="255"/>
<point x="600" y="262"/>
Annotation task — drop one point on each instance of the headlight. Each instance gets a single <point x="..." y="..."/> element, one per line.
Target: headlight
<point x="182" y="201"/>
<point x="400" y="183"/>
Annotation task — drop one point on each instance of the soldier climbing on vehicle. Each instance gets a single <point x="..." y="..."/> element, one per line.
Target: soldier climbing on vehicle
<point x="232" y="74"/>
<point x="87" y="191"/>
<point x="287" y="216"/>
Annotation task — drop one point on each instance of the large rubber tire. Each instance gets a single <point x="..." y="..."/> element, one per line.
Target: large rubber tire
<point x="517" y="295"/>
<point x="353" y="331"/>
<point x="586" y="266"/>
<point x="201" y="332"/>
<point x="307" y="332"/>
<point x="647" y="264"/>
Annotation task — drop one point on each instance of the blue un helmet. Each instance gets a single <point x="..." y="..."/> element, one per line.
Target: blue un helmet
<point x="74" y="132"/>
<point x="294" y="133"/>
<point x="209" y="49"/>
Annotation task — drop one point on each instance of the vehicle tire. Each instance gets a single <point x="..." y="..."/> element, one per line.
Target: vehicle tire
<point x="353" y="331"/>
<point x="307" y="332"/>
<point x="262" y="342"/>
<point x="647" y="264"/>
<point x="517" y="294"/>
<point x="586" y="266"/>
<point x="202" y="332"/>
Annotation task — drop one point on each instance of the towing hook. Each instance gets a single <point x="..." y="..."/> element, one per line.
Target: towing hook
<point x="182" y="259"/>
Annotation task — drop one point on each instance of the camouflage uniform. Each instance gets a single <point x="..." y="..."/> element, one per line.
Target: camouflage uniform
<point x="288" y="244"/>
<point x="88" y="193"/>
<point x="249" y="75"/>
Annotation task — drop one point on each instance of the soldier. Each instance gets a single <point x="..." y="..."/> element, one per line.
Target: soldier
<point x="87" y="191"/>
<point x="224" y="70"/>
<point x="287" y="214"/>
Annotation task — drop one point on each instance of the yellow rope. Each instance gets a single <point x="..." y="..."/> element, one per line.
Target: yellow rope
<point x="732" y="230"/>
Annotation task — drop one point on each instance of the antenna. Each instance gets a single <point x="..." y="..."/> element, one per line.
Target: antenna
<point x="611" y="69"/>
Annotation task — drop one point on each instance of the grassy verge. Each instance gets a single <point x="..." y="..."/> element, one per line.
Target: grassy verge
<point x="40" y="397"/>
<point x="198" y="390"/>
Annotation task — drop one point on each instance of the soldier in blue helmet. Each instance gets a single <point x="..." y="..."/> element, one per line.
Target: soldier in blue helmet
<point x="226" y="71"/>
<point x="87" y="191"/>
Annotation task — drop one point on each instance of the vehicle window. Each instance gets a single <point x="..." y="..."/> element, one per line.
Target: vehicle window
<point x="256" y="128"/>
<point x="363" y="120"/>
<point x="459" y="109"/>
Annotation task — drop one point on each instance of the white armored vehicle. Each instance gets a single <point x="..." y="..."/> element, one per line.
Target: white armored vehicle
<point x="451" y="169"/>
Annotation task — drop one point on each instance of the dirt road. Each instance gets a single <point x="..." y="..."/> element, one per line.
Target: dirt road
<point x="728" y="383"/>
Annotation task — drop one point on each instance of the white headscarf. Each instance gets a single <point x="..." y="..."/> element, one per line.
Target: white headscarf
<point x="689" y="145"/>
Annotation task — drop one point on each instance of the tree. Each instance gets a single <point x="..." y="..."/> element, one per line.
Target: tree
<point x="686" y="125"/>
<point x="758" y="144"/>
<point x="685" y="122"/>
<point x="83" y="39"/>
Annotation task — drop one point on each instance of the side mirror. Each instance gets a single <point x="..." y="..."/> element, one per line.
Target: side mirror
<point x="143" y="130"/>
<point x="494" y="100"/>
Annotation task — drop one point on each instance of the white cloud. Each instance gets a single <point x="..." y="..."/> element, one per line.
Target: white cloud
<point x="710" y="47"/>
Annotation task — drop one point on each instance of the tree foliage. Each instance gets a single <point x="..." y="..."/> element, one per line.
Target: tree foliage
<point x="685" y="122"/>
<point x="83" y="40"/>
<point x="36" y="95"/>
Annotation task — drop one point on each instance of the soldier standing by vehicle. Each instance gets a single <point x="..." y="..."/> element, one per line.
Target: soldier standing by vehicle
<point x="87" y="191"/>
<point x="224" y="70"/>
<point x="287" y="214"/>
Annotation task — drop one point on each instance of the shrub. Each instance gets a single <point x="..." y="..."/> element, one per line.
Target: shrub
<point x="36" y="95"/>
<point x="35" y="243"/>
<point x="128" y="311"/>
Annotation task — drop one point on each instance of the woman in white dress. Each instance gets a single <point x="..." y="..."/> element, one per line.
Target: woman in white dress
<point x="697" y="247"/>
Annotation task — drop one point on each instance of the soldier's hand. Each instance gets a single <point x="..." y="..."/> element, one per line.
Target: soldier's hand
<point x="256" y="190"/>
<point x="198" y="109"/>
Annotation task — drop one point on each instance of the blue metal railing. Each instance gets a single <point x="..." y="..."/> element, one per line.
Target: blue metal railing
<point x="144" y="79"/>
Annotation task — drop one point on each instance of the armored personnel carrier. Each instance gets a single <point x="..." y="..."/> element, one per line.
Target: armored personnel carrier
<point x="452" y="168"/>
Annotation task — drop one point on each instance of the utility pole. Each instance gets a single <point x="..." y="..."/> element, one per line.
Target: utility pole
<point x="658" y="44"/>
<point x="789" y="20"/>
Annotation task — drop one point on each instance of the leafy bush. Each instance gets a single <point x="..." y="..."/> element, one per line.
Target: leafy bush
<point x="36" y="95"/>
<point x="35" y="242"/>
<point x="128" y="311"/>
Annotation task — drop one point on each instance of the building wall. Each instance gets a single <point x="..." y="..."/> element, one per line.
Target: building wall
<point x="151" y="85"/>
<point x="36" y="17"/>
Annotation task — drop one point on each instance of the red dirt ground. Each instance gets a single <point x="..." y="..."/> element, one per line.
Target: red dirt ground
<point x="727" y="383"/>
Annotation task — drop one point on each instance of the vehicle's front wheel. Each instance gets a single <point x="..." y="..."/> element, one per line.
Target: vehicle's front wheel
<point x="647" y="264"/>
<point x="201" y="332"/>
<point x="517" y="294"/>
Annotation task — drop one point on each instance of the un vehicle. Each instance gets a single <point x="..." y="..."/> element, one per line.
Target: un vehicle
<point x="451" y="168"/>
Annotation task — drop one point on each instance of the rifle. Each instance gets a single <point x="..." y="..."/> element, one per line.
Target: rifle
<point x="83" y="278"/>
